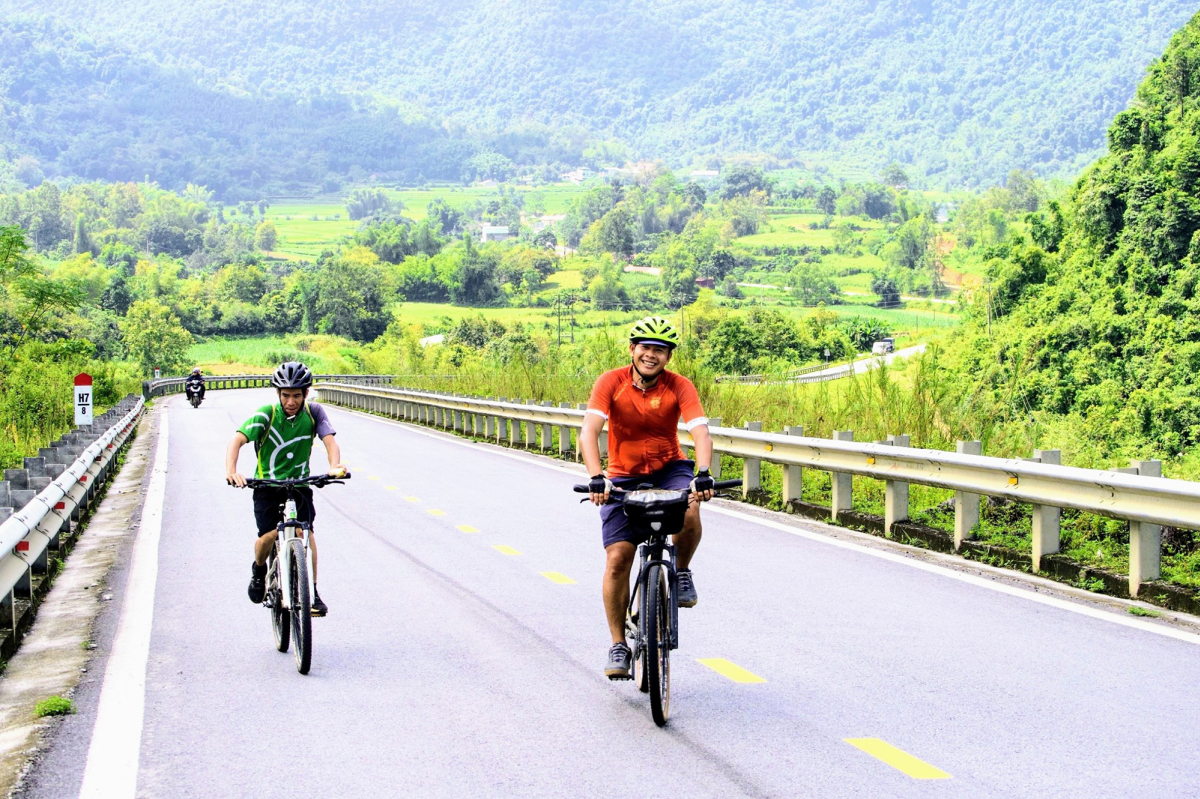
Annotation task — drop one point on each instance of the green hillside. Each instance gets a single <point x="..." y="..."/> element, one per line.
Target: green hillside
<point x="1095" y="320"/>
<point x="960" y="92"/>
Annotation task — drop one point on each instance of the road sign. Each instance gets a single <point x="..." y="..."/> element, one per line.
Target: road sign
<point x="83" y="399"/>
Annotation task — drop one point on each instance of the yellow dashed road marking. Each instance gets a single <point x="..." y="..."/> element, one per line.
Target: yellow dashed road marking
<point x="466" y="528"/>
<point x="391" y="488"/>
<point x="436" y="512"/>
<point x="731" y="670"/>
<point x="556" y="577"/>
<point x="504" y="549"/>
<point x="372" y="477"/>
<point x="412" y="499"/>
<point x="898" y="759"/>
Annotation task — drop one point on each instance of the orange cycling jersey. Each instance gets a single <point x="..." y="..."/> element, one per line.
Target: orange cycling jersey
<point x="643" y="425"/>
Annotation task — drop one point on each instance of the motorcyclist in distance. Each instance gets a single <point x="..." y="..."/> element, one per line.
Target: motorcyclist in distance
<point x="195" y="383"/>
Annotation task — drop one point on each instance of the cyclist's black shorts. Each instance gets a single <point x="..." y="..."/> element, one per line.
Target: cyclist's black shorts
<point x="268" y="507"/>
<point x="615" y="525"/>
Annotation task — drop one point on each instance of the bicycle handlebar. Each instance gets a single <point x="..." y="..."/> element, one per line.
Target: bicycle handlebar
<point x="317" y="480"/>
<point x="586" y="489"/>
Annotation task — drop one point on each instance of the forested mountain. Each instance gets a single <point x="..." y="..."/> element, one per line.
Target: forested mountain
<point x="1097" y="318"/>
<point x="959" y="90"/>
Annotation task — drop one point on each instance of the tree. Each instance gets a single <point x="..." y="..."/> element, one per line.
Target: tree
<point x="450" y="220"/>
<point x="265" y="236"/>
<point x="812" y="284"/>
<point x="546" y="239"/>
<point x="368" y="202"/>
<point x="43" y="301"/>
<point x="117" y="296"/>
<point x="349" y="297"/>
<point x="14" y="263"/>
<point x="885" y="287"/>
<point x="154" y="337"/>
<point x="83" y="242"/>
<point x="607" y="292"/>
<point x="742" y="179"/>
<point x="894" y="176"/>
<point x="474" y="281"/>
<point x="827" y="200"/>
<point x="611" y="233"/>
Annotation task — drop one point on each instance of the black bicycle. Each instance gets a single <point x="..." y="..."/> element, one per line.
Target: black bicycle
<point x="656" y="514"/>
<point x="289" y="571"/>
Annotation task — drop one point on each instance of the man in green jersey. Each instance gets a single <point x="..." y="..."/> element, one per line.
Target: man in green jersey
<point x="283" y="434"/>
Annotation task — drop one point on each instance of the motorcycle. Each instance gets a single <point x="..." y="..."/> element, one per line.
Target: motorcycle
<point x="193" y="396"/>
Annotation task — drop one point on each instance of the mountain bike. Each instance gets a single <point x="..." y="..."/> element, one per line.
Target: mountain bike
<point x="652" y="619"/>
<point x="289" y="571"/>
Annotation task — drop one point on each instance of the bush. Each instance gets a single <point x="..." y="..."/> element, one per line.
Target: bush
<point x="54" y="706"/>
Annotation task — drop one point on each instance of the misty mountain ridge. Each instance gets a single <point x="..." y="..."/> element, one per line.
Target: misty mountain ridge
<point x="960" y="91"/>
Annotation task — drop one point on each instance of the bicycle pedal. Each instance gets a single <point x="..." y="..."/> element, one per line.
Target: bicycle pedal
<point x="620" y="677"/>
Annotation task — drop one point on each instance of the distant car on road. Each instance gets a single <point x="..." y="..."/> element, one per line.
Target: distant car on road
<point x="884" y="346"/>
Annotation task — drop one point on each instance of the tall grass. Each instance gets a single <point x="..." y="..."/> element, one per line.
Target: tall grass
<point x="37" y="396"/>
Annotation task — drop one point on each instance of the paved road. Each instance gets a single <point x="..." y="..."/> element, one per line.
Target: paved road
<point x="449" y="668"/>
<point x="864" y="365"/>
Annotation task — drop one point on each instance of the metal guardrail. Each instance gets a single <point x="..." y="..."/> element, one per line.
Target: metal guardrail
<point x="27" y="535"/>
<point x="1137" y="495"/>
<point x="174" y="385"/>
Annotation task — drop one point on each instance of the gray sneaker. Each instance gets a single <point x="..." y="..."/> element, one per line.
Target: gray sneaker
<point x="620" y="663"/>
<point x="687" y="589"/>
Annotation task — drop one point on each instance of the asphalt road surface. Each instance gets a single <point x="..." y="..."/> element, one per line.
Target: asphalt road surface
<point x="463" y="654"/>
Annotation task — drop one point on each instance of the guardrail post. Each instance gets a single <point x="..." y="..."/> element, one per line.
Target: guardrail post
<point x="842" y="493"/>
<point x="582" y="406"/>
<point x="564" y="434"/>
<point x="966" y="506"/>
<point x="1145" y="539"/>
<point x="793" y="476"/>
<point x="895" y="493"/>
<point x="529" y="427"/>
<point x="1045" y="519"/>
<point x="547" y="430"/>
<point x="752" y="467"/>
<point x="714" y="468"/>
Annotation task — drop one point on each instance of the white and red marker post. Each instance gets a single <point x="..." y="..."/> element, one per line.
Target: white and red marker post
<point x="83" y="399"/>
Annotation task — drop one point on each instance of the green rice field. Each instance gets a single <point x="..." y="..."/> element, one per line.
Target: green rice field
<point x="308" y="226"/>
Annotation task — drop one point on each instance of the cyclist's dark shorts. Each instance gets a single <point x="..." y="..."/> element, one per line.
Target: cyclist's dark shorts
<point x="615" y="524"/>
<point x="268" y="507"/>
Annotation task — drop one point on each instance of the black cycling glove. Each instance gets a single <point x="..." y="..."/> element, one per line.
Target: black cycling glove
<point x="703" y="481"/>
<point x="599" y="484"/>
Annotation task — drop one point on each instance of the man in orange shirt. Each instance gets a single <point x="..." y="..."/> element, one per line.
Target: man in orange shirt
<point x="643" y="404"/>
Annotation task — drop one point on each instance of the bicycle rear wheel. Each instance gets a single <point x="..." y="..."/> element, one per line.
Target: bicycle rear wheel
<point x="281" y="625"/>
<point x="301" y="610"/>
<point x="658" y="644"/>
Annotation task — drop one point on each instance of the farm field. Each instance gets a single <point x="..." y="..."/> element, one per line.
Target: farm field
<point x="302" y="236"/>
<point x="792" y="230"/>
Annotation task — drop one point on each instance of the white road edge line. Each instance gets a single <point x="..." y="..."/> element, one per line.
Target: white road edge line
<point x="971" y="579"/>
<point x="112" y="760"/>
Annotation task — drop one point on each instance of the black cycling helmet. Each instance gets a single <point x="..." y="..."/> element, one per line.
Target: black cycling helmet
<point x="292" y="374"/>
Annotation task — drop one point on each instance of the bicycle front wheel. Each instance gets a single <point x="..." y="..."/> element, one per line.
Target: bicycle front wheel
<point x="635" y="613"/>
<point x="301" y="610"/>
<point x="658" y="644"/>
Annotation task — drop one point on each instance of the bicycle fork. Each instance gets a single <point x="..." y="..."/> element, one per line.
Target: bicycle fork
<point x="284" y="552"/>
